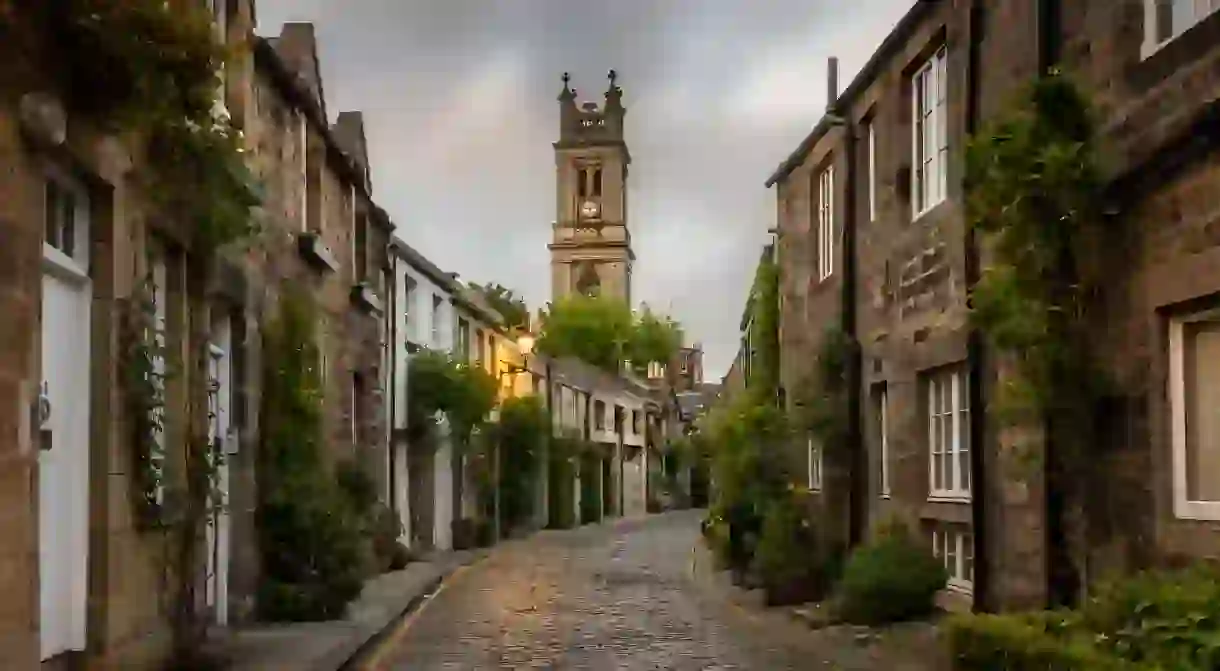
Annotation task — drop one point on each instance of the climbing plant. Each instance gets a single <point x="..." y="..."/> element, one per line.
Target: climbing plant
<point x="763" y="320"/>
<point x="309" y="532"/>
<point x="144" y="387"/>
<point x="1032" y="193"/>
<point x="824" y="399"/>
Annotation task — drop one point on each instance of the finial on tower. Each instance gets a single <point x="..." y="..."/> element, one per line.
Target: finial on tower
<point x="613" y="77"/>
<point x="567" y="93"/>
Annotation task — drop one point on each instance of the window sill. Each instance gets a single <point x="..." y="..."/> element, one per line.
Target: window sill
<point x="316" y="253"/>
<point x="916" y="217"/>
<point x="963" y="587"/>
<point x="949" y="498"/>
<point x="365" y="298"/>
<point x="1196" y="511"/>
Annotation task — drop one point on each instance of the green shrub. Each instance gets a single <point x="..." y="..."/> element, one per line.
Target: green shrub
<point x="788" y="560"/>
<point x="400" y="557"/>
<point x="1029" y="642"/>
<point x="1167" y="618"/>
<point x="892" y="578"/>
<point x="385" y="530"/>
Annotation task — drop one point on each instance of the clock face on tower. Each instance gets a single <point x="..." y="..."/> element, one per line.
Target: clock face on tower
<point x="590" y="209"/>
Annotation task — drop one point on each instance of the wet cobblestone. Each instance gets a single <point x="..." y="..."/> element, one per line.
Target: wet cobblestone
<point x="600" y="598"/>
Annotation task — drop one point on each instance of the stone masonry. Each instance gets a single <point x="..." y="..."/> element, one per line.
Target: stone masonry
<point x="908" y="283"/>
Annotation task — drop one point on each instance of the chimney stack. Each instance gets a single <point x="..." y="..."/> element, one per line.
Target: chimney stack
<point x="832" y="82"/>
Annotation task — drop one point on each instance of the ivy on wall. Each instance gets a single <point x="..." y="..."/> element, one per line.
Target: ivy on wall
<point x="764" y="327"/>
<point x="1033" y="193"/>
<point x="145" y="401"/>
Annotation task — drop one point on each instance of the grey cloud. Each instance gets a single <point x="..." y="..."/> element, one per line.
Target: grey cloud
<point x="459" y="100"/>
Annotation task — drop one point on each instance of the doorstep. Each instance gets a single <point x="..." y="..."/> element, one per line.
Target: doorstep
<point x="327" y="646"/>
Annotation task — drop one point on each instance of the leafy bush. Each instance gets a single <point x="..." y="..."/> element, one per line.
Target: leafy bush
<point x="400" y="557"/>
<point x="385" y="530"/>
<point x="892" y="578"/>
<point x="1030" y="642"/>
<point x="313" y="551"/>
<point x="1167" y="618"/>
<point x="1155" y="620"/>
<point x="787" y="559"/>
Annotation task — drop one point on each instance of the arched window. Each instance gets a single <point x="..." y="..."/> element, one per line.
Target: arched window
<point x="597" y="183"/>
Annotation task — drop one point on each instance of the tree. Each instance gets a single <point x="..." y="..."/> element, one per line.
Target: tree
<point x="604" y="332"/>
<point x="505" y="301"/>
<point x="519" y="436"/>
<point x="437" y="382"/>
<point x="655" y="339"/>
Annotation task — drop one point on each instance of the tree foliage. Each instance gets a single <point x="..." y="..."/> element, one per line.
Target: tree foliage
<point x="436" y="382"/>
<point x="520" y="435"/>
<point x="505" y="301"/>
<point x="604" y="332"/>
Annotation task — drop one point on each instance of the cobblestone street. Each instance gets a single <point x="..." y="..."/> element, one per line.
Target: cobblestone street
<point x="612" y="597"/>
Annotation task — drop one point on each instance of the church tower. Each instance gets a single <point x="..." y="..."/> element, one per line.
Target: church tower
<point x="591" y="246"/>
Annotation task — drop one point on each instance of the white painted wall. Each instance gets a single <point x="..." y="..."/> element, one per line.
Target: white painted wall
<point x="414" y="322"/>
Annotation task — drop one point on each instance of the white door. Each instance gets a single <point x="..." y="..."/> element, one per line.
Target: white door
<point x="63" y="423"/>
<point x="223" y="443"/>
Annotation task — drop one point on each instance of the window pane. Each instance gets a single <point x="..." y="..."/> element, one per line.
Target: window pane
<point x="1201" y="367"/>
<point x="51" y="214"/>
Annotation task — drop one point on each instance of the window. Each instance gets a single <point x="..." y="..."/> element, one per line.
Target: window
<point x="948" y="433"/>
<point x="597" y="182"/>
<point x="881" y="402"/>
<point x="360" y="254"/>
<point x="407" y="299"/>
<point x="582" y="183"/>
<point x="463" y="340"/>
<point x="1194" y="395"/>
<point x="871" y="131"/>
<point x="815" y="464"/>
<point x="636" y="425"/>
<point x="826" y="224"/>
<point x="929" y="176"/>
<point x="599" y="415"/>
<point x="492" y="355"/>
<point x="436" y="319"/>
<point x="1166" y="19"/>
<point x="953" y="544"/>
<point x="64" y="207"/>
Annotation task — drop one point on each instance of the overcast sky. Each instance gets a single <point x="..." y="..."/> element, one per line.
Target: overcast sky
<point x="460" y="111"/>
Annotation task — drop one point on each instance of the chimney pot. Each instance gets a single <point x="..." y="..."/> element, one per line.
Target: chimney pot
<point x="832" y="82"/>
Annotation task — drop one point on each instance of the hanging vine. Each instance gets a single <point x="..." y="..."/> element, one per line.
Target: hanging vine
<point x="825" y="399"/>
<point x="145" y="378"/>
<point x="1033" y="193"/>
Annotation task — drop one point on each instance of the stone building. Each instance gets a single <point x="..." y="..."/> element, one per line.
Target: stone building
<point x="90" y="576"/>
<point x="591" y="246"/>
<point x="876" y="189"/>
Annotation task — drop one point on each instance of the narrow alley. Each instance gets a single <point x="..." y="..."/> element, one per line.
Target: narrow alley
<point x="621" y="596"/>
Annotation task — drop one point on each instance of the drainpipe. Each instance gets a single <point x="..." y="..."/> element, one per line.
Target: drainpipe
<point x="857" y="479"/>
<point x="976" y="350"/>
<point x="1063" y="579"/>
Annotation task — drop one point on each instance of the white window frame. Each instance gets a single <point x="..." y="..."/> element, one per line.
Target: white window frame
<point x="814" y="464"/>
<point x="77" y="263"/>
<point x="883" y="430"/>
<point x="872" y="170"/>
<point x="1183" y="507"/>
<point x="826" y="224"/>
<point x="929" y="134"/>
<point x="1188" y="13"/>
<point x="437" y="301"/>
<point x="952" y="544"/>
<point x="955" y="482"/>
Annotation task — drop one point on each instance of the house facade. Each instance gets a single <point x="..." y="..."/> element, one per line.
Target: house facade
<point x="91" y="252"/>
<point x="873" y="240"/>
